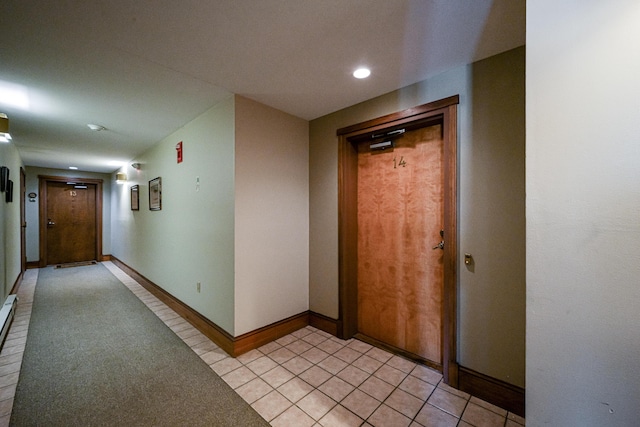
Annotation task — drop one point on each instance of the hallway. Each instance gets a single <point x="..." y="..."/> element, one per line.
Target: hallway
<point x="307" y="378"/>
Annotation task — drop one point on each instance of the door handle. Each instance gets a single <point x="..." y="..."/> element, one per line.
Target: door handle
<point x="441" y="244"/>
<point x="51" y="223"/>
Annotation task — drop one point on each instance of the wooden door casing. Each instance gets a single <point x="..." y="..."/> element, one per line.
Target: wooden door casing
<point x="76" y="212"/>
<point x="443" y="112"/>
<point x="23" y="222"/>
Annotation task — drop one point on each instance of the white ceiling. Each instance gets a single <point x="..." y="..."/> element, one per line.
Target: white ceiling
<point x="144" y="68"/>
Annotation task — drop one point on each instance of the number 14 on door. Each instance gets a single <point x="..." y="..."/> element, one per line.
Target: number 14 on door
<point x="400" y="162"/>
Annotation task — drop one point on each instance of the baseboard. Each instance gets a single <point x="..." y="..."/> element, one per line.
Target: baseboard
<point x="234" y="346"/>
<point x="216" y="334"/>
<point x="16" y="284"/>
<point x="259" y="337"/>
<point x="324" y="323"/>
<point x="106" y="257"/>
<point x="7" y="312"/>
<point x="492" y="390"/>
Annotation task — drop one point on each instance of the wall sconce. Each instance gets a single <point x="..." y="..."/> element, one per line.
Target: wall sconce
<point x="121" y="178"/>
<point x="4" y="123"/>
<point x="4" y="128"/>
<point x="136" y="166"/>
<point x="96" y="128"/>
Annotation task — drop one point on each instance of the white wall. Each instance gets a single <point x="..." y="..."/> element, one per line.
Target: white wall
<point x="191" y="239"/>
<point x="272" y="215"/>
<point x="583" y="213"/>
<point x="10" y="221"/>
<point x="32" y="211"/>
<point x="491" y="322"/>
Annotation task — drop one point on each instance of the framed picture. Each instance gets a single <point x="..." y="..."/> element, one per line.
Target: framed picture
<point x="9" y="192"/>
<point x="4" y="178"/>
<point x="135" y="198"/>
<point x="155" y="194"/>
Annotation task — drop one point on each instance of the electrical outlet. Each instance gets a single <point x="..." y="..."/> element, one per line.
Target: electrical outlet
<point x="198" y="287"/>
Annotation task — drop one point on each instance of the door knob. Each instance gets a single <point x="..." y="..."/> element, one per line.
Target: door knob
<point x="51" y="223"/>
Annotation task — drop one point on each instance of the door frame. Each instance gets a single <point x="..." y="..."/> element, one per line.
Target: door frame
<point x="23" y="222"/>
<point x="43" y="180"/>
<point x="442" y="112"/>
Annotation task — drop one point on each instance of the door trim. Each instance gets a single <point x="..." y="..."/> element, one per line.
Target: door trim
<point x="443" y="112"/>
<point x="43" y="180"/>
<point x="23" y="222"/>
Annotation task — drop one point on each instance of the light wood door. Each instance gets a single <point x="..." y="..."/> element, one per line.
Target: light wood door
<point x="70" y="222"/>
<point x="400" y="215"/>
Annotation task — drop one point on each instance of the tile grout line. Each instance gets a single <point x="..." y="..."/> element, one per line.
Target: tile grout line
<point x="26" y="293"/>
<point x="155" y="305"/>
<point x="24" y="296"/>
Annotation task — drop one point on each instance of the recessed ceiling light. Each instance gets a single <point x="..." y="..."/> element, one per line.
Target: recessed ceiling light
<point x="73" y="168"/>
<point x="362" y="73"/>
<point x="96" y="128"/>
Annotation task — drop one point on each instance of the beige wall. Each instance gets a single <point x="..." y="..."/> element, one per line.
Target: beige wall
<point x="10" y="221"/>
<point x="271" y="215"/>
<point x="583" y="213"/>
<point x="491" y="321"/>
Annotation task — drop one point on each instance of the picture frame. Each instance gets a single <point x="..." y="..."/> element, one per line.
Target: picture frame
<point x="9" y="192"/>
<point x="4" y="178"/>
<point x="135" y="197"/>
<point x="155" y="194"/>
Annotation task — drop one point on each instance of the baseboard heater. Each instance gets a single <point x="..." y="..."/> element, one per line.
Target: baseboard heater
<point x="7" y="312"/>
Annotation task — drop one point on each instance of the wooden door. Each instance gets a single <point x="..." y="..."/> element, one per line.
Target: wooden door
<point x="70" y="222"/>
<point x="400" y="215"/>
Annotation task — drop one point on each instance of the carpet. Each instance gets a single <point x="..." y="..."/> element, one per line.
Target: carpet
<point x="97" y="356"/>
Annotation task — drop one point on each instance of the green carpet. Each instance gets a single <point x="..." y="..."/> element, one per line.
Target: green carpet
<point x="97" y="356"/>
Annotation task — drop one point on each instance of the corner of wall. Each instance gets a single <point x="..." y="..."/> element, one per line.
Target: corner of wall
<point x="271" y="215"/>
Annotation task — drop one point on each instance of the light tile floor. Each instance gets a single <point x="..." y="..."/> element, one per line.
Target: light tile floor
<point x="13" y="348"/>
<point x="307" y="378"/>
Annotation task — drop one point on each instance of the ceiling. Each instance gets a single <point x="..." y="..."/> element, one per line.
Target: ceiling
<point x="142" y="69"/>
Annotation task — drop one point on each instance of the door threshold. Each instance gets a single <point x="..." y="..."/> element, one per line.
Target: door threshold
<point x="398" y="351"/>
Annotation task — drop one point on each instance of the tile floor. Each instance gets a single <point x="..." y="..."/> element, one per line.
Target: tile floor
<point x="307" y="378"/>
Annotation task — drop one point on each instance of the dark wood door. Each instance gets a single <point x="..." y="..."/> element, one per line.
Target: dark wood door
<point x="70" y="222"/>
<point x="400" y="215"/>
